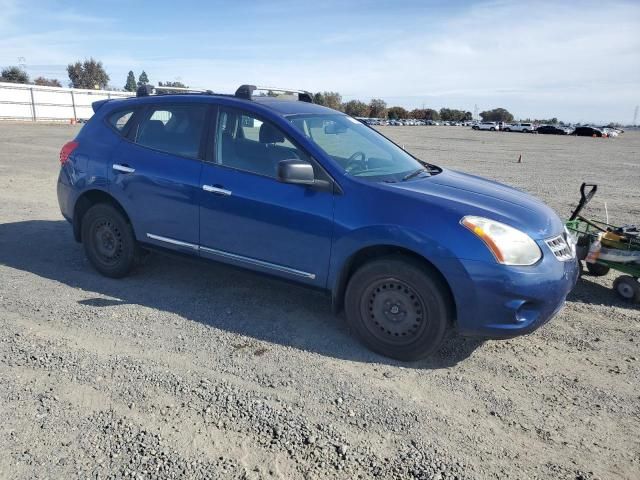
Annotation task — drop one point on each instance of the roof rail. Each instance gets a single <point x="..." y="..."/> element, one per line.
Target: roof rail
<point x="146" y="90"/>
<point x="247" y="92"/>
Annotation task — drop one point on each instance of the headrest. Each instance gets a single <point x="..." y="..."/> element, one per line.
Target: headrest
<point x="153" y="128"/>
<point x="270" y="134"/>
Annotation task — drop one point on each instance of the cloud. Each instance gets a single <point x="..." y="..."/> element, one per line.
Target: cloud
<point x="552" y="59"/>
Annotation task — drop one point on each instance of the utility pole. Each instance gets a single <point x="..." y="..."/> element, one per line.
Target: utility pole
<point x="635" y="116"/>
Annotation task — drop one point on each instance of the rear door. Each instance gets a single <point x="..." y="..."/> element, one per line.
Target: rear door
<point x="248" y="217"/>
<point x="155" y="174"/>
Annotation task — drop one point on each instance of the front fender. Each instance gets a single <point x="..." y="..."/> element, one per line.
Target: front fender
<point x="403" y="239"/>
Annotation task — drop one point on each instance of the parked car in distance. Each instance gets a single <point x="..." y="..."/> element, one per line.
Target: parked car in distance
<point x="493" y="126"/>
<point x="550" y="130"/>
<point x="520" y="127"/>
<point x="409" y="250"/>
<point x="587" y="132"/>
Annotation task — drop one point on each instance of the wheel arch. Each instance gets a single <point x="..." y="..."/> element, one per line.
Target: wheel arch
<point x="88" y="199"/>
<point x="369" y="253"/>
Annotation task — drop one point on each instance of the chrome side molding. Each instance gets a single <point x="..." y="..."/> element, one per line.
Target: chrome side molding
<point x="233" y="256"/>
<point x="179" y="243"/>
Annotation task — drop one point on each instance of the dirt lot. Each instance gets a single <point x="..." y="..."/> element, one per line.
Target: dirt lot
<point x="186" y="370"/>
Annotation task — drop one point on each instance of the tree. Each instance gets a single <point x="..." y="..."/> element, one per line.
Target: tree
<point x="172" y="84"/>
<point x="47" y="82"/>
<point x="452" y="115"/>
<point x="431" y="114"/>
<point x="377" y="108"/>
<point x="496" y="115"/>
<point x="328" y="99"/>
<point x="88" y="74"/>
<point x="131" y="82"/>
<point x="169" y="84"/>
<point x="143" y="79"/>
<point x="395" y="113"/>
<point x="356" y="108"/>
<point x="424" y="114"/>
<point x="14" y="75"/>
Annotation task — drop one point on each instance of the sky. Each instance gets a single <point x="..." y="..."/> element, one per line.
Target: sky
<point x="577" y="61"/>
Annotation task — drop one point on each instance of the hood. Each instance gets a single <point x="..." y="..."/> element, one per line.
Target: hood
<point x="470" y="195"/>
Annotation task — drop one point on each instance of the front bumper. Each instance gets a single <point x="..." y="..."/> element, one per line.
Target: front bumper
<point x="499" y="301"/>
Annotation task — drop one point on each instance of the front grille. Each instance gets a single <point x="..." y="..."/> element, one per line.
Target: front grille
<point x="560" y="248"/>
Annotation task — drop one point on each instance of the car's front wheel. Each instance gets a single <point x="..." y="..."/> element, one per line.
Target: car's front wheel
<point x="108" y="240"/>
<point x="492" y="129"/>
<point x="397" y="308"/>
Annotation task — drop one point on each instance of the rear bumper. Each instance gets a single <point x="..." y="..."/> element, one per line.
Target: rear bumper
<point x="497" y="301"/>
<point x="66" y="196"/>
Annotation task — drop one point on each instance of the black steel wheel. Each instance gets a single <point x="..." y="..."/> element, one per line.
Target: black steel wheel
<point x="392" y="311"/>
<point x="108" y="241"/>
<point x="398" y="308"/>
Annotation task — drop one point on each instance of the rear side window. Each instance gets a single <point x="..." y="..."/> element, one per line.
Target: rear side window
<point x="119" y="120"/>
<point x="175" y="129"/>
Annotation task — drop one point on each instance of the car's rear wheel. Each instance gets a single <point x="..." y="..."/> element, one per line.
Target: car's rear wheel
<point x="108" y="240"/>
<point x="597" y="269"/>
<point x="492" y="129"/>
<point x="397" y="308"/>
<point x="507" y="129"/>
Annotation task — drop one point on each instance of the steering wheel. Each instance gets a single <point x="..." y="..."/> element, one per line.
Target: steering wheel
<point x="358" y="159"/>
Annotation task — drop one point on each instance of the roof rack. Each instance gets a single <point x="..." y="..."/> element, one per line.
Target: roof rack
<point x="146" y="90"/>
<point x="247" y="92"/>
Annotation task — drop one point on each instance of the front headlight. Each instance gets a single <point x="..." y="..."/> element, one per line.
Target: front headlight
<point x="508" y="245"/>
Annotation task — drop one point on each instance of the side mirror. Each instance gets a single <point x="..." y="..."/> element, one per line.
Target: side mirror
<point x="295" y="171"/>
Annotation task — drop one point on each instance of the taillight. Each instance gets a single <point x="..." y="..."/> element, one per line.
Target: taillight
<point x="67" y="149"/>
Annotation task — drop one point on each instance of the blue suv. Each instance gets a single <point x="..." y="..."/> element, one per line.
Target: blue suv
<point x="276" y="184"/>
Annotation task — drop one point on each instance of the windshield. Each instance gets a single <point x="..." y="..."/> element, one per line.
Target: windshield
<point x="358" y="149"/>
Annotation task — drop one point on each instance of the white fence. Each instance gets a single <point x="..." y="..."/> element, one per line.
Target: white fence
<point x="32" y="102"/>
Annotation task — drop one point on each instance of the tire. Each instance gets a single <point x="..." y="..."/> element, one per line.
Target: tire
<point x="398" y="309"/>
<point x="597" y="269"/>
<point x="507" y="130"/>
<point x="525" y="131"/>
<point x="108" y="240"/>
<point x="492" y="129"/>
<point x="628" y="288"/>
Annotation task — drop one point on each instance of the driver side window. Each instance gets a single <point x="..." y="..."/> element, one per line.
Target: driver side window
<point x="247" y="143"/>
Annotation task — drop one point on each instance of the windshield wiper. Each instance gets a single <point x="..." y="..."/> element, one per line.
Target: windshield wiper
<point x="414" y="174"/>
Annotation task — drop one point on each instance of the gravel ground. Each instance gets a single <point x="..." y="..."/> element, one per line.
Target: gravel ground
<point x="186" y="370"/>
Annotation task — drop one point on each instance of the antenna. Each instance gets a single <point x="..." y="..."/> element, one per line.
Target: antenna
<point x="475" y="112"/>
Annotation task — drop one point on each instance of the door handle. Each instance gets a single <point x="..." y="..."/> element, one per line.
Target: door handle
<point x="123" y="168"/>
<point x="216" y="190"/>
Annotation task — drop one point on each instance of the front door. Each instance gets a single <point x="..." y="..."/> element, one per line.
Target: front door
<point x="248" y="217"/>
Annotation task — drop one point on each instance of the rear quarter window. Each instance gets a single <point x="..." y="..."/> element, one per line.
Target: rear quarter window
<point x="120" y="119"/>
